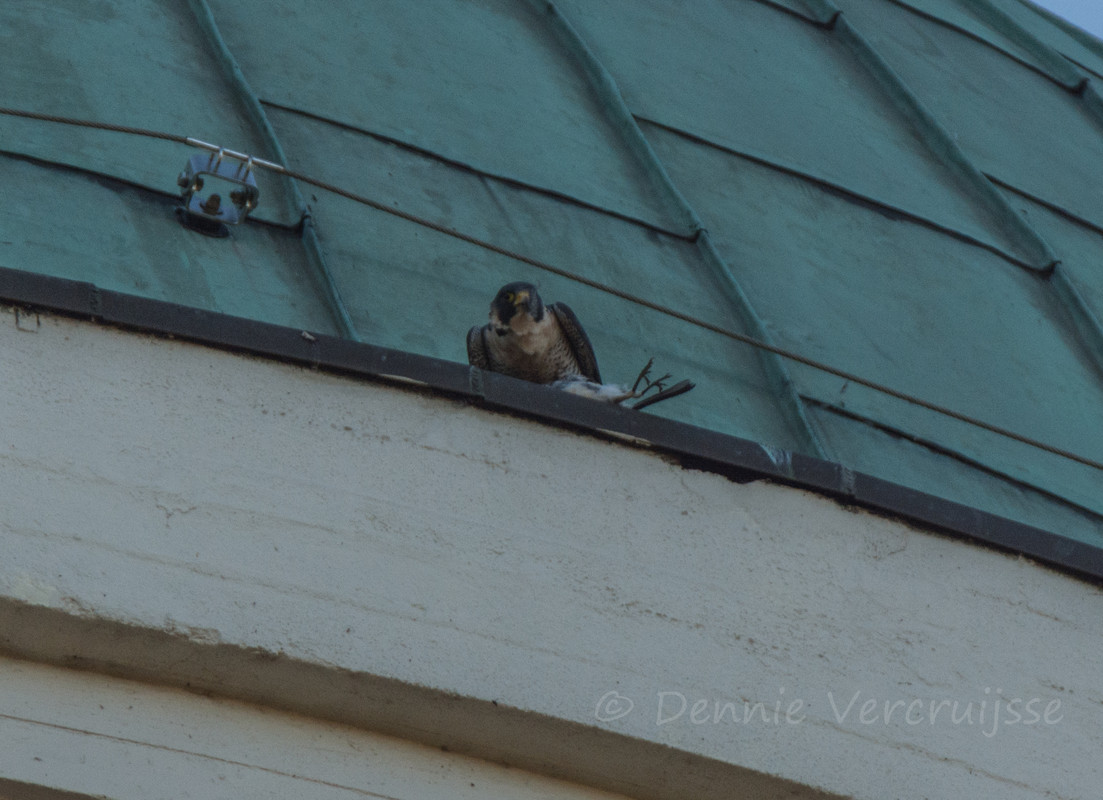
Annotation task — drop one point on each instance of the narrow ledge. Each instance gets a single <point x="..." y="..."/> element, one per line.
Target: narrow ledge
<point x="692" y="446"/>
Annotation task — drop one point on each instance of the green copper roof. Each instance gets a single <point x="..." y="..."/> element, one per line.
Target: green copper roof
<point x="907" y="192"/>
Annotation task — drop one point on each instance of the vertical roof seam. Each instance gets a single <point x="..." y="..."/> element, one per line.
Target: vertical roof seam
<point x="938" y="140"/>
<point x="457" y="164"/>
<point x="811" y="439"/>
<point x="792" y="12"/>
<point x="824" y="12"/>
<point x="613" y="104"/>
<point x="842" y="190"/>
<point x="206" y="21"/>
<point x="1083" y="319"/>
<point x="1047" y="69"/>
<point x="1085" y="325"/>
<point x="1078" y="84"/>
<point x="1055" y="64"/>
<point x="1060" y="211"/>
<point x="1082" y="37"/>
<point x="1080" y="313"/>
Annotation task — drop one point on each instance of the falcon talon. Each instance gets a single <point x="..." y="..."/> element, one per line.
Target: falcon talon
<point x="546" y="344"/>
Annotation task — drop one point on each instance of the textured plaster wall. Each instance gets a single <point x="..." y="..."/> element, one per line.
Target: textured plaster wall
<point x="579" y="607"/>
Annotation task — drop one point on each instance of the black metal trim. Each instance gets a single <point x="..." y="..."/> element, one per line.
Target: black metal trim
<point x="698" y="448"/>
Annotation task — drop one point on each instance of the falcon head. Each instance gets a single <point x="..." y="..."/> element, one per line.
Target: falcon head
<point x="515" y="308"/>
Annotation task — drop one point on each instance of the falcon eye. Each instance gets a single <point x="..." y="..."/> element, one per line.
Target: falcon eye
<point x="510" y="297"/>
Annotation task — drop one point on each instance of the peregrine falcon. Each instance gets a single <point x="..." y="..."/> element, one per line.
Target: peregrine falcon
<point x="547" y="344"/>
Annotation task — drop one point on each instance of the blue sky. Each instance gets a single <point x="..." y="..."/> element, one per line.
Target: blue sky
<point x="1087" y="14"/>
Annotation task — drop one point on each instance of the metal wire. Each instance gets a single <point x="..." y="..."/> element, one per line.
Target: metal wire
<point x="575" y="277"/>
<point x="103" y="126"/>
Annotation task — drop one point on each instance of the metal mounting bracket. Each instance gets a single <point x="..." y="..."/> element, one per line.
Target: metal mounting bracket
<point x="210" y="214"/>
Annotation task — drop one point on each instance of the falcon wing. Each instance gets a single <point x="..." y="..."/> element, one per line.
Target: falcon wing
<point x="476" y="348"/>
<point x="578" y="340"/>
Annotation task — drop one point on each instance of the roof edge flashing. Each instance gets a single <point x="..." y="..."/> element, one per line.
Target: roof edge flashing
<point x="720" y="453"/>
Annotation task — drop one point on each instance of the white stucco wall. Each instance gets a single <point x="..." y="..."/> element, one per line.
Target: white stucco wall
<point x="410" y="564"/>
<point x="106" y="737"/>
